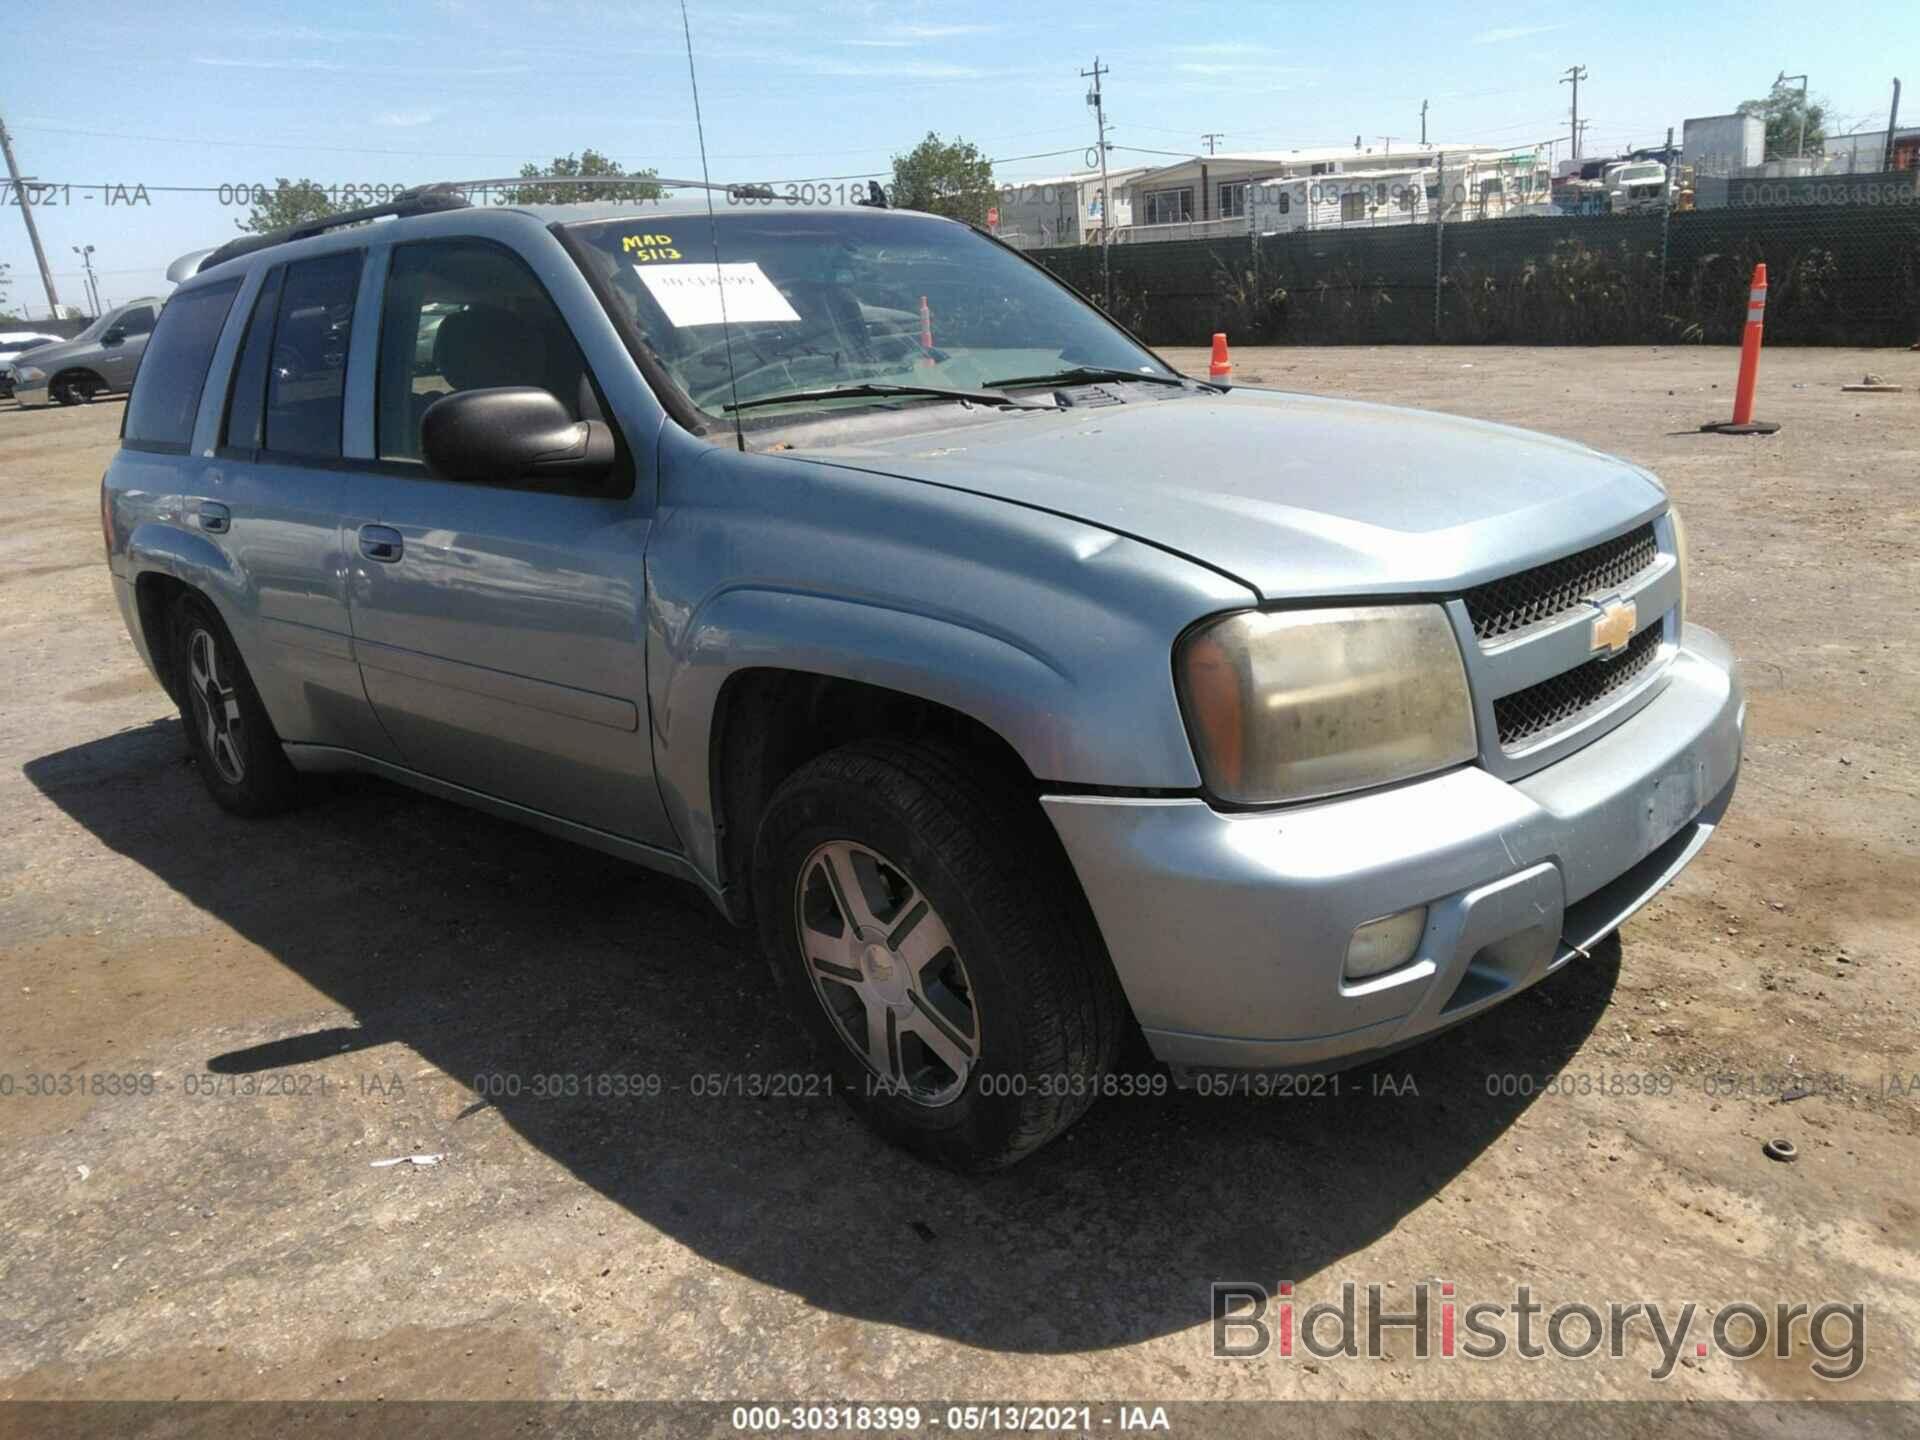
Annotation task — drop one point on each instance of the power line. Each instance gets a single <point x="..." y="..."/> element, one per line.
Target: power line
<point x="320" y="149"/>
<point x="42" y="185"/>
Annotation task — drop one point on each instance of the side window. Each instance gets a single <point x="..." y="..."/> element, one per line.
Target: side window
<point x="166" y="392"/>
<point x="466" y="315"/>
<point x="307" y="369"/>
<point x="247" y="396"/>
<point x="139" y="321"/>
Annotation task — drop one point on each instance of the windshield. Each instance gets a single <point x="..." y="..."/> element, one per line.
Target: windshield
<point x="823" y="299"/>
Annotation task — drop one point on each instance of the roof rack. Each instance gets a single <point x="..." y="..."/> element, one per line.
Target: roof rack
<point x="427" y="200"/>
<point x="421" y="200"/>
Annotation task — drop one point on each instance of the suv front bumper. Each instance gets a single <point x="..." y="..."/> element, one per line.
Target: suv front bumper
<point x="25" y="395"/>
<point x="1230" y="931"/>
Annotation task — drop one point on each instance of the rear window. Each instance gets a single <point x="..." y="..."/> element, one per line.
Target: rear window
<point x="247" y="401"/>
<point x="166" y="391"/>
<point x="307" y="379"/>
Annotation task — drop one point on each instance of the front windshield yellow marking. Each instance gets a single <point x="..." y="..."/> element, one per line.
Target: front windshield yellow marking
<point x="642" y="248"/>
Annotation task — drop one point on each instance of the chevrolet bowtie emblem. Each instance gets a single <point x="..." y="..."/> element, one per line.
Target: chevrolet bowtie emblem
<point x="1613" y="627"/>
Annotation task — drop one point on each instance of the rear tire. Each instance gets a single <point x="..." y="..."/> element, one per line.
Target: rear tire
<point x="969" y="1012"/>
<point x="232" y="740"/>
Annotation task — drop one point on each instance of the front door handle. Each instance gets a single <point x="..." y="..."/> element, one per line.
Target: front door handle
<point x="380" y="542"/>
<point x="215" y="518"/>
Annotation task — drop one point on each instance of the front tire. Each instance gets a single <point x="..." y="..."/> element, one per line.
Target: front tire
<point x="75" y="389"/>
<point x="232" y="740"/>
<point x="929" y="934"/>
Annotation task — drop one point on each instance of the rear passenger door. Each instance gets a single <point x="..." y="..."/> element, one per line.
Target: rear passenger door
<point x="500" y="628"/>
<point x="272" y="497"/>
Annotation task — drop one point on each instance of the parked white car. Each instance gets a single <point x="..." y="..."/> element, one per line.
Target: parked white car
<point x="13" y="344"/>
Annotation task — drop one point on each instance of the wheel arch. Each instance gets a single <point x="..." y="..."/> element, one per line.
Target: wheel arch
<point x="76" y="372"/>
<point x="769" y="721"/>
<point x="759" y="663"/>
<point x="167" y="563"/>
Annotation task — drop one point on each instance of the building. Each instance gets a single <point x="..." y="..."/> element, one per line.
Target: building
<point x="1868" y="152"/>
<point x="1276" y="192"/>
<point x="1723" y="145"/>
<point x="1209" y="189"/>
<point x="1061" y="209"/>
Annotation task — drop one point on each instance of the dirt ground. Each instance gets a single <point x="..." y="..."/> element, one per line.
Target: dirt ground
<point x="210" y="1029"/>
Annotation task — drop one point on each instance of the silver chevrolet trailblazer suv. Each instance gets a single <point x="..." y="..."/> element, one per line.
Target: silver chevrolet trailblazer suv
<point x="1018" y="689"/>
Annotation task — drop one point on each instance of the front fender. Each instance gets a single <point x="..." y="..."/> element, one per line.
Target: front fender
<point x="1054" y="635"/>
<point x="1017" y="694"/>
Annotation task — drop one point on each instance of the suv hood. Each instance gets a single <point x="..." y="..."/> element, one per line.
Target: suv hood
<point x="1293" y="495"/>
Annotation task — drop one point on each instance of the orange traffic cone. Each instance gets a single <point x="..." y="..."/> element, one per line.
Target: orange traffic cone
<point x="1743" y="422"/>
<point x="1220" y="368"/>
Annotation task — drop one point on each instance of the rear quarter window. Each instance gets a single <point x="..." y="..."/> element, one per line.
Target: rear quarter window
<point x="173" y="372"/>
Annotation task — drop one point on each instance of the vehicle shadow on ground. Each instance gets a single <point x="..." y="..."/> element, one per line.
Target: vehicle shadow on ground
<point x="492" y="950"/>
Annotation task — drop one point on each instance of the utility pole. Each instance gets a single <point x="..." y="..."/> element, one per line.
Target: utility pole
<point x="1579" y="138"/>
<point x="1211" y="136"/>
<point x="1780" y="83"/>
<point x="1575" y="74"/>
<point x="33" y="231"/>
<point x="93" y="286"/>
<point x="1097" y="101"/>
<point x="1893" y="124"/>
<point x="1423" y="122"/>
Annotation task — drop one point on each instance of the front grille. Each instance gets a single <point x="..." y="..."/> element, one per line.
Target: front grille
<point x="1501" y="607"/>
<point x="1528" y="714"/>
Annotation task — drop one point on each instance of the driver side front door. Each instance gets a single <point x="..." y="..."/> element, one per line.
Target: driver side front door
<point x="500" y="629"/>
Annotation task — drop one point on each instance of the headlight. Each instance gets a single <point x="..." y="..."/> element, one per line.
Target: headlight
<point x="1294" y="704"/>
<point x="29" y="374"/>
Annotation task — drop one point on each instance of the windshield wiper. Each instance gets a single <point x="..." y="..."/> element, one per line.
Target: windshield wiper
<point x="1087" y="375"/>
<point x="876" y="387"/>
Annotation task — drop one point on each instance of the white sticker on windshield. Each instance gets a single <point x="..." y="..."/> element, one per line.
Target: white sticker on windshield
<point x="690" y="294"/>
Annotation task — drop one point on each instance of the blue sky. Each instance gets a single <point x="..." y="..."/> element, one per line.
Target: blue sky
<point x="348" y="92"/>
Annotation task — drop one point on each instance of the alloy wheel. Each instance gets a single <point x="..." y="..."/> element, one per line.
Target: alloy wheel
<point x="216" y="706"/>
<point x="885" y="966"/>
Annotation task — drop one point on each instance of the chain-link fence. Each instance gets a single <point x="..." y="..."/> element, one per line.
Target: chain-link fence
<point x="1842" y="257"/>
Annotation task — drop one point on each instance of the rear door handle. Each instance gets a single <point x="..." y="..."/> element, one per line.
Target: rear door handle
<point x="215" y="518"/>
<point x="379" y="542"/>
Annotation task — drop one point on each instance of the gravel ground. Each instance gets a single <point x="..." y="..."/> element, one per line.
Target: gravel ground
<point x="313" y="994"/>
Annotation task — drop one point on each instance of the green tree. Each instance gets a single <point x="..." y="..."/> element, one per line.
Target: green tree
<point x="290" y="202"/>
<point x="589" y="162"/>
<point x="1782" y="110"/>
<point x="6" y="283"/>
<point x="950" y="178"/>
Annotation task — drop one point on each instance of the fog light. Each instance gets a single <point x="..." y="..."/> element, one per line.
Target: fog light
<point x="1385" y="944"/>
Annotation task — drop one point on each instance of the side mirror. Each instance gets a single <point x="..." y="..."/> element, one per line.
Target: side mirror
<point x="513" y="433"/>
<point x="113" y="336"/>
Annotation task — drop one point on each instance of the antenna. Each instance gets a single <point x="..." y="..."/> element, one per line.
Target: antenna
<point x="713" y="230"/>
